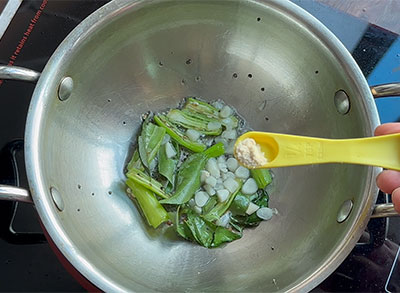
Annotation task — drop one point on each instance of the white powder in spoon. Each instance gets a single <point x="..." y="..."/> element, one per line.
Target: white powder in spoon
<point x="249" y="153"/>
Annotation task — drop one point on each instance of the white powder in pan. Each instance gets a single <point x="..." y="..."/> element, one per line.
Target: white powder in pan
<point x="249" y="153"/>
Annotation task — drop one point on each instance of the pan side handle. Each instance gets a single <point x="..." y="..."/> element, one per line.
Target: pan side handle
<point x="13" y="193"/>
<point x="385" y="90"/>
<point x="384" y="210"/>
<point x="18" y="73"/>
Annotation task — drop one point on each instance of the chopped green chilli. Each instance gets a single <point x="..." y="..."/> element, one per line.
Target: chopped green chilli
<point x="141" y="178"/>
<point x="183" y="171"/>
<point x="153" y="211"/>
<point x="190" y="120"/>
<point x="262" y="177"/>
<point x="178" y="135"/>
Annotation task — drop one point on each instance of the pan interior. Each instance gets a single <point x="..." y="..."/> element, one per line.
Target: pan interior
<point x="257" y="57"/>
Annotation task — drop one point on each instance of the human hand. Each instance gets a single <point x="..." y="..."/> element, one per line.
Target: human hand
<point x="388" y="180"/>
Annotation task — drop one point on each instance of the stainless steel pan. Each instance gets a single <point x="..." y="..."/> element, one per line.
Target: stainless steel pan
<point x="281" y="69"/>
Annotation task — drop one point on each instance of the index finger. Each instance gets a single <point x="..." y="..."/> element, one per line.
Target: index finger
<point x="387" y="128"/>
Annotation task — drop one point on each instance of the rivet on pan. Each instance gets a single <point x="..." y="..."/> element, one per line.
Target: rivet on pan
<point x="345" y="211"/>
<point x="342" y="102"/>
<point x="65" y="88"/>
<point x="57" y="199"/>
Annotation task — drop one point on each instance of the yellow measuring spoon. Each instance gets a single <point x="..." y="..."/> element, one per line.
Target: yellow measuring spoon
<point x="282" y="150"/>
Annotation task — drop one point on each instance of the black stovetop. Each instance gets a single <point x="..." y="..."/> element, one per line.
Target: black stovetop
<point x="26" y="261"/>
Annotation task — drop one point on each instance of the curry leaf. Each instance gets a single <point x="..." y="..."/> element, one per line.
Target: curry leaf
<point x="236" y="225"/>
<point x="149" y="142"/>
<point x="202" y="230"/>
<point x="261" y="199"/>
<point x="181" y="227"/>
<point x="223" y="235"/>
<point x="188" y="179"/>
<point x="135" y="162"/>
<point x="240" y="204"/>
<point x="166" y="166"/>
